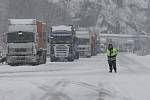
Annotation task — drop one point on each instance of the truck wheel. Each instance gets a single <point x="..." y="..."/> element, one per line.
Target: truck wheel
<point x="88" y="56"/>
<point x="12" y="64"/>
<point x="52" y="60"/>
<point x="78" y="56"/>
<point x="71" y="59"/>
<point x="44" y="59"/>
<point x="35" y="63"/>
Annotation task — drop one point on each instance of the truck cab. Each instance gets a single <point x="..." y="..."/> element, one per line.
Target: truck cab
<point x="84" y="43"/>
<point x="21" y="47"/>
<point x="62" y="43"/>
<point x="25" y="42"/>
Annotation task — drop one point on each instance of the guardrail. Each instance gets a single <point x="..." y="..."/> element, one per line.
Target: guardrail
<point x="124" y="36"/>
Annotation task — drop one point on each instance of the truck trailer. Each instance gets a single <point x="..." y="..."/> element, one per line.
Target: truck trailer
<point x="26" y="42"/>
<point x="63" y="43"/>
<point x="84" y="38"/>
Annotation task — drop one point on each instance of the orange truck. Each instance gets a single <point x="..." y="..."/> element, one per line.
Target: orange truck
<point x="26" y="42"/>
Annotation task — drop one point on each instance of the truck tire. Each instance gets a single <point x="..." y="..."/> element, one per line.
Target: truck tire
<point x="88" y="56"/>
<point x="71" y="59"/>
<point x="44" y="58"/>
<point x="12" y="64"/>
<point x="78" y="56"/>
<point x="52" y="60"/>
<point x="35" y="63"/>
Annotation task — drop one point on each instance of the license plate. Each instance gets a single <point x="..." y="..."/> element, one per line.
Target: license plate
<point x="20" y="58"/>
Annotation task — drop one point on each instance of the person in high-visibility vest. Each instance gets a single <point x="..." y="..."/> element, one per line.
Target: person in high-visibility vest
<point x="112" y="54"/>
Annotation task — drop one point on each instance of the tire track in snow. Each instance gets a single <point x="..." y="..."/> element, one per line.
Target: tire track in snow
<point x="51" y="93"/>
<point x="63" y="84"/>
<point x="55" y="92"/>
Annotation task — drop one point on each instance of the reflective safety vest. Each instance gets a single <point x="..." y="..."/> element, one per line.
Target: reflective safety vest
<point x="112" y="53"/>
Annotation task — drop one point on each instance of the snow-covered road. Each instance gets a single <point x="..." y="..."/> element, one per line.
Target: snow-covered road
<point x="84" y="79"/>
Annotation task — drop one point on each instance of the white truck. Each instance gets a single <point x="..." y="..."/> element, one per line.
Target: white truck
<point x="26" y="42"/>
<point x="63" y="43"/>
<point x="84" y="38"/>
<point x="103" y="45"/>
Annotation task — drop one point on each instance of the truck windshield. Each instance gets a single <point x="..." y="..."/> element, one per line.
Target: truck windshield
<point x="83" y="41"/>
<point x="20" y="37"/>
<point x="61" y="39"/>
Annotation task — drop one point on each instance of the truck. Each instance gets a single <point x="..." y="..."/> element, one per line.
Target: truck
<point x="63" y="43"/>
<point x="26" y="42"/>
<point x="103" y="45"/>
<point x="84" y="38"/>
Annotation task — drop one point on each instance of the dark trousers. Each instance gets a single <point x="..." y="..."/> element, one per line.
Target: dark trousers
<point x="112" y="65"/>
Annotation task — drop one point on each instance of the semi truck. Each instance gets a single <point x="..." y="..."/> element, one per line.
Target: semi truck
<point x="26" y="42"/>
<point x="84" y="38"/>
<point x="63" y="43"/>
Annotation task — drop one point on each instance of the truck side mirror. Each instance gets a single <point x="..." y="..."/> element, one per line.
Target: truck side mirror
<point x="50" y="38"/>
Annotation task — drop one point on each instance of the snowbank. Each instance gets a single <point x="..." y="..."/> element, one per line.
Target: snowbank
<point x="144" y="60"/>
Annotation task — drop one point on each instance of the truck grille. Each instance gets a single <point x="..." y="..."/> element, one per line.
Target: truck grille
<point x="61" y="51"/>
<point x="20" y="58"/>
<point x="20" y="49"/>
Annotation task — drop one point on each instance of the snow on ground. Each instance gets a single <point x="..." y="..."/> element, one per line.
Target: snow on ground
<point x="144" y="60"/>
<point x="84" y="79"/>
